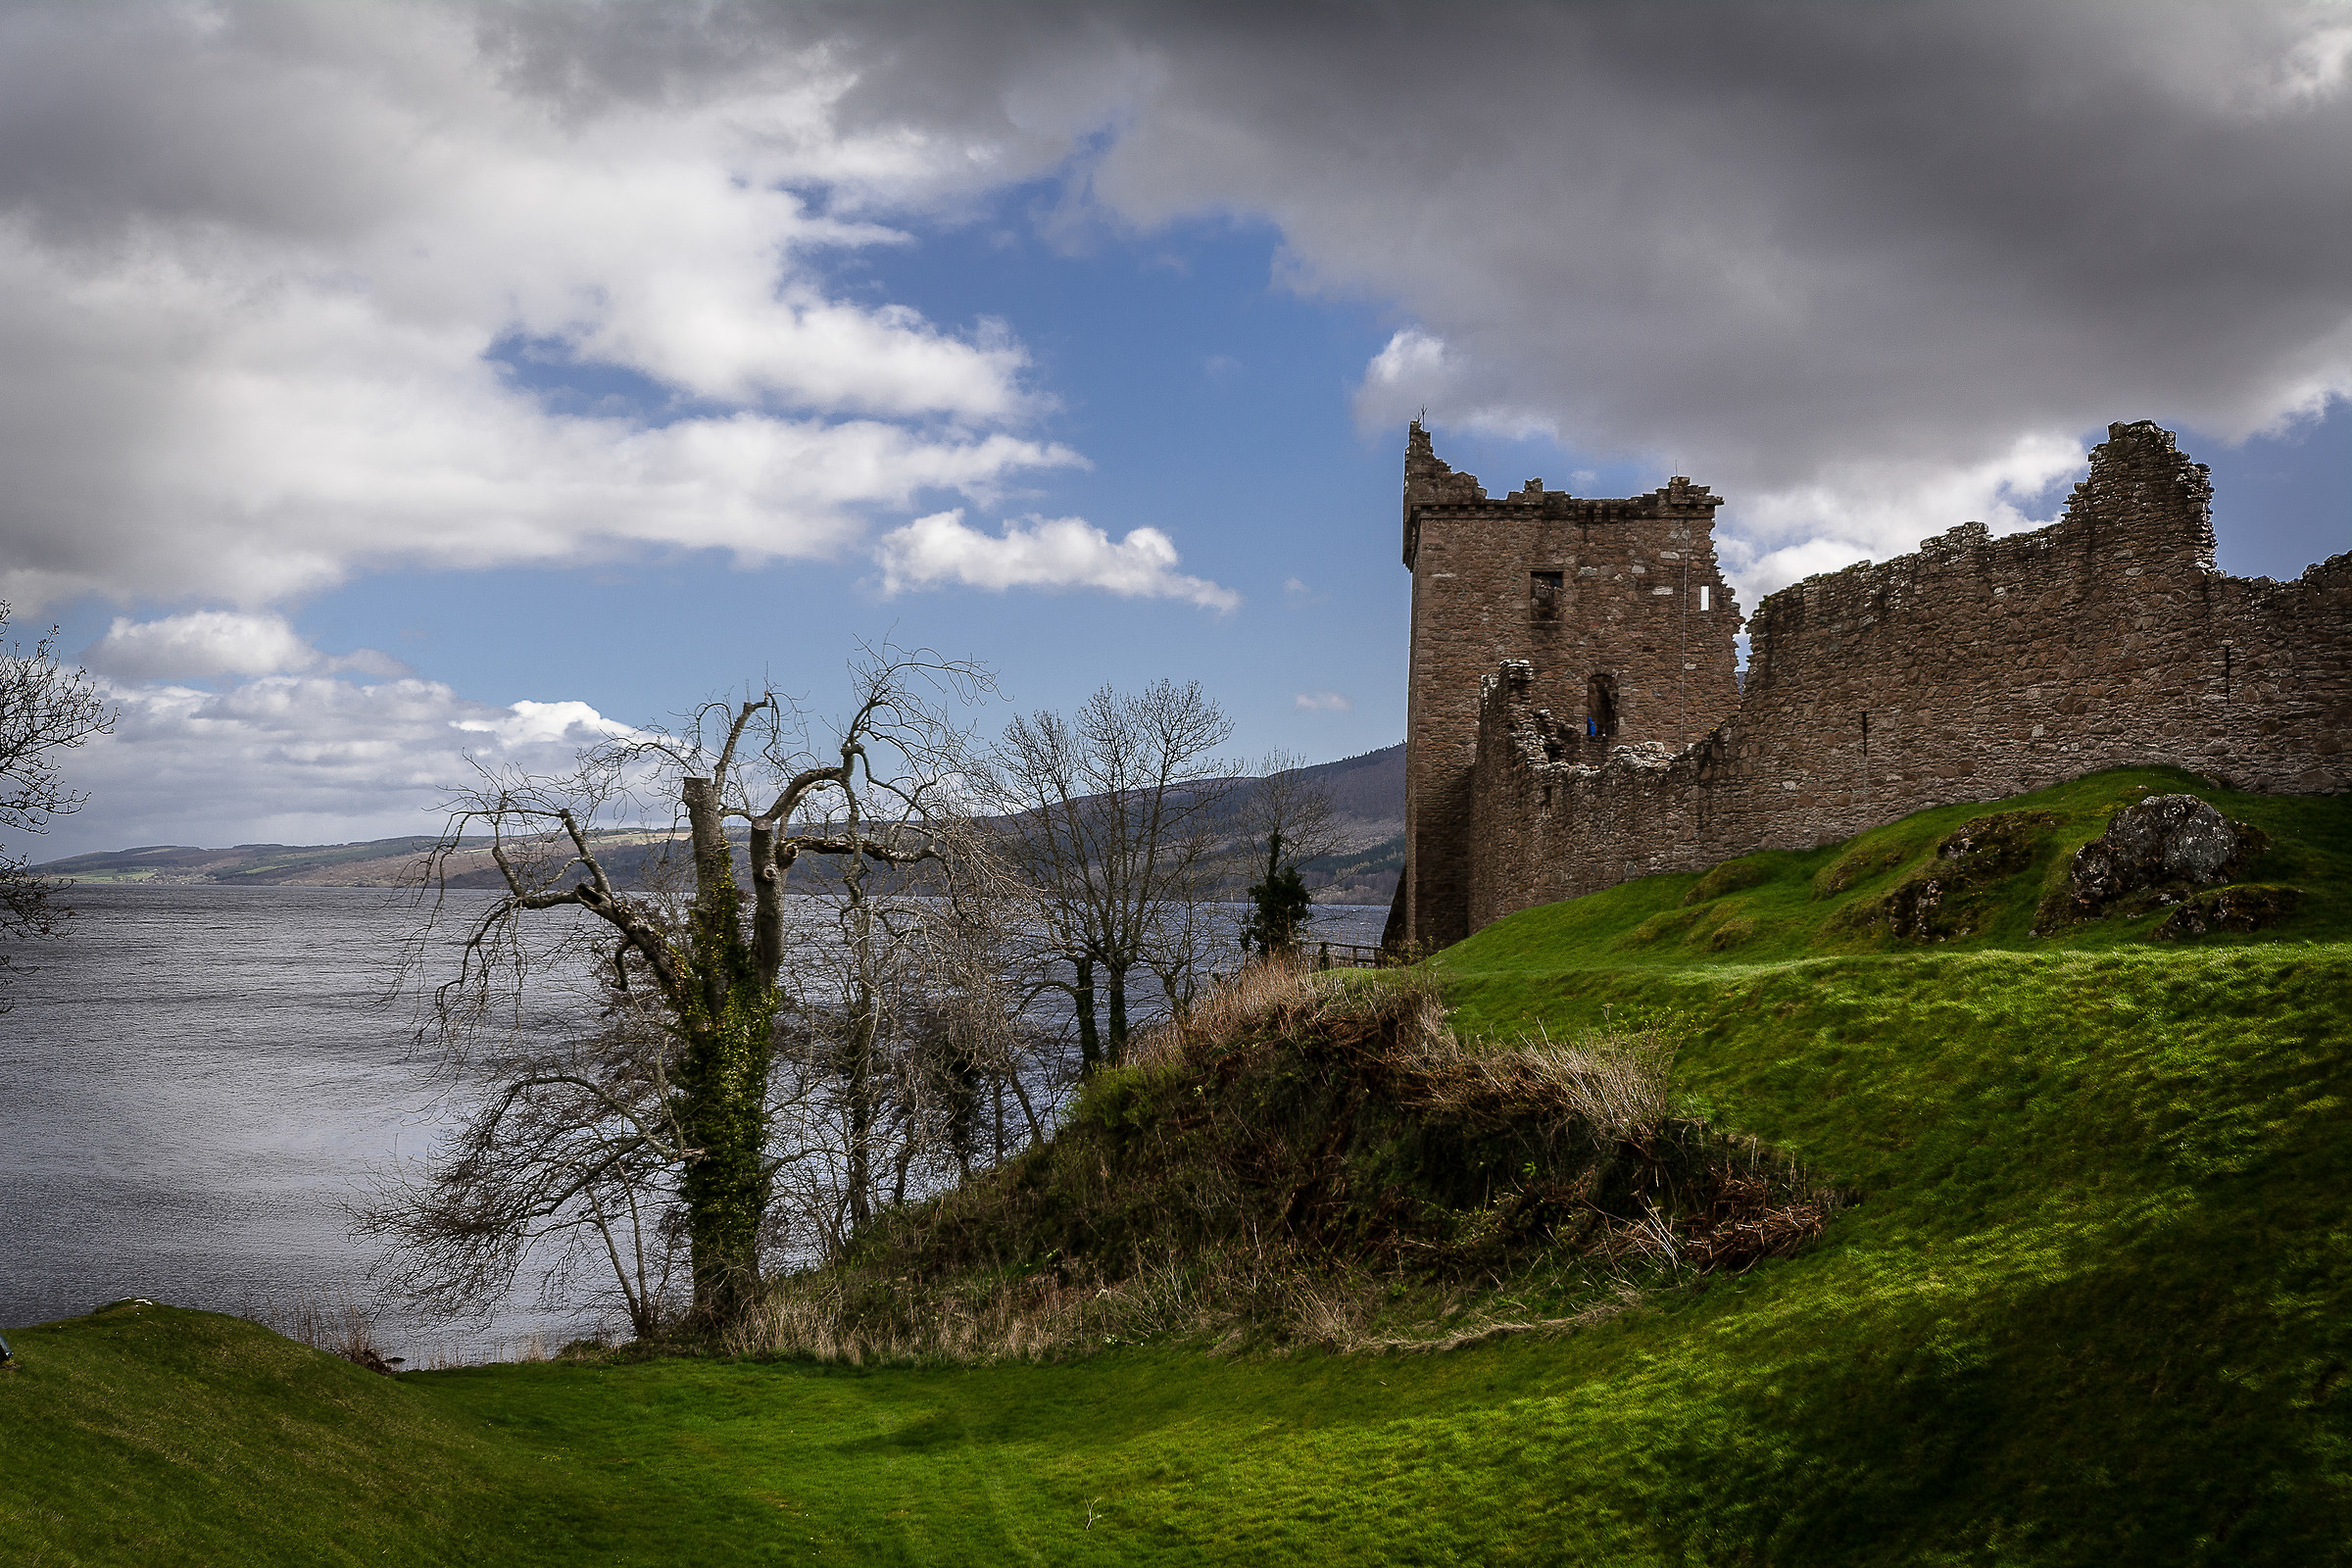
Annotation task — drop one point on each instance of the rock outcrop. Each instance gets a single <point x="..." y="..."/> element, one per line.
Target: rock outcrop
<point x="2156" y="851"/>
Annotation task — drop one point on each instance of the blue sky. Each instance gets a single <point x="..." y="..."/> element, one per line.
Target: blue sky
<point x="376" y="402"/>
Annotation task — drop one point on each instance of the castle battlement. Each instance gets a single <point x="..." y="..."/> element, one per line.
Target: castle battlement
<point x="1577" y="753"/>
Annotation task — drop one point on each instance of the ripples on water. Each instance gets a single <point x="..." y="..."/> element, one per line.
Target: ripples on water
<point x="194" y="1083"/>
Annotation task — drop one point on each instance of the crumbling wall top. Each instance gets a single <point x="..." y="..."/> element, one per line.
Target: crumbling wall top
<point x="1432" y="484"/>
<point x="1430" y="480"/>
<point x="2140" y="478"/>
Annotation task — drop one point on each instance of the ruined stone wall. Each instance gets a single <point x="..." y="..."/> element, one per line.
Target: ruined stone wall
<point x="1977" y="669"/>
<point x="1581" y="590"/>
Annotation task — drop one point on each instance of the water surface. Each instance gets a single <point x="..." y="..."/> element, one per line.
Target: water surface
<point x="197" y="1081"/>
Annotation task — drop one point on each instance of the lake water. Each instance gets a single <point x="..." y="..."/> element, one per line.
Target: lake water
<point x="198" y="1080"/>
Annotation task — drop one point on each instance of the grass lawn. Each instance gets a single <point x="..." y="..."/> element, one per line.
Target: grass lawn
<point x="2091" y="1304"/>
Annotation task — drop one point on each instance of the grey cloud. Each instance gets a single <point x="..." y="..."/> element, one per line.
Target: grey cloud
<point x="253" y="259"/>
<point x="123" y="122"/>
<point x="1832" y="256"/>
<point x="1860" y="266"/>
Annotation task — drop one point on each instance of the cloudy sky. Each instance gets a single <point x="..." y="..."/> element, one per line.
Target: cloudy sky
<point x="386" y="384"/>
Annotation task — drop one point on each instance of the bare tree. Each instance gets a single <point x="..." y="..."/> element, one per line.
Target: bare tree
<point x="1112" y="816"/>
<point x="986" y="1046"/>
<point x="45" y="710"/>
<point x="1286" y="820"/>
<point x="658" y="1132"/>
<point x="904" y="1022"/>
<point x="571" y="1149"/>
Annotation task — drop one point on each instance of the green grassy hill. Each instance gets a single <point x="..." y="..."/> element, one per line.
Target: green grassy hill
<point x="2091" y="1303"/>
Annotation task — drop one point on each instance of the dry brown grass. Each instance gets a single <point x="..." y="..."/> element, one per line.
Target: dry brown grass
<point x="331" y="1320"/>
<point x="1624" y="1296"/>
<point x="1285" y="996"/>
<point x="854" y="1316"/>
<point x="1616" y="1085"/>
<point x="1616" y="1081"/>
<point x="1302" y="1161"/>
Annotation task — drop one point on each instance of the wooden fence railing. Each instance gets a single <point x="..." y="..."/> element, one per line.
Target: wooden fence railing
<point x="1350" y="955"/>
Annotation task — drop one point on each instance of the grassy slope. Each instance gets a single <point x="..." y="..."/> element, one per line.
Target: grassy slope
<point x="1656" y="923"/>
<point x="2096" y="1299"/>
<point x="153" y="1435"/>
<point x="2094" y="1306"/>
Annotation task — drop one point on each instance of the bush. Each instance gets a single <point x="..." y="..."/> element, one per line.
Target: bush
<point x="1304" y="1152"/>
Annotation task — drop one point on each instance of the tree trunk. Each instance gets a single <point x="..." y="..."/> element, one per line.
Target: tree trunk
<point x="1117" y="1052"/>
<point x="722" y="1081"/>
<point x="727" y="1008"/>
<point x="1089" y="1041"/>
<point x="861" y="1111"/>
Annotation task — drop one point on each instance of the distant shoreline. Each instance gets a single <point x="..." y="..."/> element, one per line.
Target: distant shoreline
<point x="1367" y="795"/>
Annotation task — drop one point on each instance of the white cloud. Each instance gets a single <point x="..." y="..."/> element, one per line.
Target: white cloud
<point x="1413" y="373"/>
<point x="254" y="261"/>
<point x="1412" y="365"/>
<point x="366" y="661"/>
<point x="205" y="643"/>
<point x="299" y="759"/>
<point x="1323" y="702"/>
<point x="1877" y="510"/>
<point x="1047" y="552"/>
<point x="527" y="724"/>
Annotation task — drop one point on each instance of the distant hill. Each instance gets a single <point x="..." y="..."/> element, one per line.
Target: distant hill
<point x="1367" y="795"/>
<point x="1369" y="788"/>
<point x="372" y="863"/>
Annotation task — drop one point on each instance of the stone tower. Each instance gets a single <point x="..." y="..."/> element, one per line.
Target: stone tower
<point x="1617" y="608"/>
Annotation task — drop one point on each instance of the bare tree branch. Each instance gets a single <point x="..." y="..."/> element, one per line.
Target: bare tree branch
<point x="741" y="1052"/>
<point x="1112" y="816"/>
<point x="45" y="709"/>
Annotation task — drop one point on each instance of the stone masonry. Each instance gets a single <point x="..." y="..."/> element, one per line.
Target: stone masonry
<point x="1615" y="612"/>
<point x="1977" y="669"/>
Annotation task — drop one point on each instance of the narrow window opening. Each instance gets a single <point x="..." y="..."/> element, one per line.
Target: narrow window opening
<point x="1703" y="595"/>
<point x="1600" y="708"/>
<point x="1543" y="595"/>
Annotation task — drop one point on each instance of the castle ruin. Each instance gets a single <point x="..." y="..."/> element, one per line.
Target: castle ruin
<point x="1575" y="718"/>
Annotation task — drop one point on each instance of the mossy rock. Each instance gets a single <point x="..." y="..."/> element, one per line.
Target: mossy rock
<point x="1729" y="877"/>
<point x="1658" y="927"/>
<point x="1731" y="933"/>
<point x="1941" y="898"/>
<point x="2249" y="907"/>
<point x="1857" y="865"/>
<point x="2154" y="853"/>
